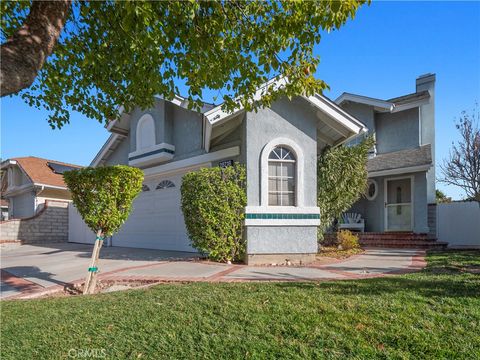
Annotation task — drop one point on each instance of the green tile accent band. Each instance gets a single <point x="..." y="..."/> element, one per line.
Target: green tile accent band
<point x="93" y="269"/>
<point x="283" y="216"/>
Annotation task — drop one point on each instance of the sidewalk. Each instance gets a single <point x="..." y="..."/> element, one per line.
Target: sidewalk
<point x="18" y="283"/>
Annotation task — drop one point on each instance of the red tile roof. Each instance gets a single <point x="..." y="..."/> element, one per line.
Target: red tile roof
<point x="39" y="172"/>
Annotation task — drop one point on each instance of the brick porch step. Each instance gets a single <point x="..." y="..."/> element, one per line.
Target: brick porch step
<point x="393" y="235"/>
<point x="398" y="243"/>
<point x="10" y="242"/>
<point x="400" y="240"/>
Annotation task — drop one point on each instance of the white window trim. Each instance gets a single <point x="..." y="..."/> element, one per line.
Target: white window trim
<point x="299" y="168"/>
<point x="144" y="118"/>
<point x="191" y="163"/>
<point x="152" y="148"/>
<point x="371" y="198"/>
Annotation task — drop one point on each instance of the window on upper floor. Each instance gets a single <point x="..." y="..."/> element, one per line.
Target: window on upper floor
<point x="281" y="177"/>
<point x="145" y="132"/>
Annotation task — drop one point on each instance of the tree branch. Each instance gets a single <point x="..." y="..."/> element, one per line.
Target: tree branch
<point x="25" y="52"/>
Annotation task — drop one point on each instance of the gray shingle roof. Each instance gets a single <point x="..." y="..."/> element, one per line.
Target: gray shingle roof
<point x="410" y="97"/>
<point x="421" y="155"/>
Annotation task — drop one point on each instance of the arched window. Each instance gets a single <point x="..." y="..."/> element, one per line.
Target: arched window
<point x="281" y="177"/>
<point x="164" y="184"/>
<point x="145" y="132"/>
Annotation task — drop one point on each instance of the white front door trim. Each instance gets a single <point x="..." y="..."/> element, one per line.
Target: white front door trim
<point x="412" y="197"/>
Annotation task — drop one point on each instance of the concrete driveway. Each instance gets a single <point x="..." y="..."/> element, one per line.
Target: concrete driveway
<point x="32" y="269"/>
<point x="58" y="264"/>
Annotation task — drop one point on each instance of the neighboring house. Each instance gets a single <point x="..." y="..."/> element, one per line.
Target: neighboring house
<point x="279" y="146"/>
<point x="401" y="169"/>
<point x="29" y="181"/>
<point x="4" y="209"/>
<point x="3" y="201"/>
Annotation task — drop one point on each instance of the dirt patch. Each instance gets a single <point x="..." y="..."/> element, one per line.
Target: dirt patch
<point x="103" y="286"/>
<point x="333" y="252"/>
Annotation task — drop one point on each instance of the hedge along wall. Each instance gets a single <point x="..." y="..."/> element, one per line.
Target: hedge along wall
<point x="213" y="205"/>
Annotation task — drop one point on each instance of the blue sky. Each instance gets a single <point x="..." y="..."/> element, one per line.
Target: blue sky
<point x="379" y="54"/>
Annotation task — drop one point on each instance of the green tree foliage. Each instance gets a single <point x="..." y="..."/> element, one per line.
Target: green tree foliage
<point x="342" y="180"/>
<point x="213" y="205"/>
<point x="122" y="53"/>
<point x="103" y="196"/>
<point x="441" y="197"/>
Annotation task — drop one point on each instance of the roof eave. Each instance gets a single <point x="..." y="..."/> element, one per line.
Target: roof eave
<point x="398" y="171"/>
<point x="378" y="104"/>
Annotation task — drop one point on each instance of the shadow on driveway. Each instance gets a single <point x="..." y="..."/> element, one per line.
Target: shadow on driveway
<point x="110" y="253"/>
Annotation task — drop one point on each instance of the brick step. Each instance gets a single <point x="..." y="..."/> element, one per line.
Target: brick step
<point x="406" y="244"/>
<point x="392" y="241"/>
<point x="10" y="242"/>
<point x="392" y="235"/>
<point x="394" y="238"/>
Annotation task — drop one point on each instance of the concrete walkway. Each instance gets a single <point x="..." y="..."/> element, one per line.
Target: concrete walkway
<point x="29" y="270"/>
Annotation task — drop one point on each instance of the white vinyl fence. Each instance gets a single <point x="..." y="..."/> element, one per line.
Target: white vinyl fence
<point x="458" y="223"/>
<point x="78" y="231"/>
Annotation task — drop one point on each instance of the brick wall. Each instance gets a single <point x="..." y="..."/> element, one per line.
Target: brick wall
<point x="48" y="225"/>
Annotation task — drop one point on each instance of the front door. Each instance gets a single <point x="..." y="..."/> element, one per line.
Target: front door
<point x="398" y="204"/>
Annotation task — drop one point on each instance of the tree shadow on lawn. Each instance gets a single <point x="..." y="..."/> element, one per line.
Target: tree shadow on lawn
<point x="434" y="281"/>
<point x="454" y="261"/>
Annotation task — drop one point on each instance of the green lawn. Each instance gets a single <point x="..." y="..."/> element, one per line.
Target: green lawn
<point x="434" y="314"/>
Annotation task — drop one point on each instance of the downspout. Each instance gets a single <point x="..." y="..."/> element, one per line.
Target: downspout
<point x="41" y="187"/>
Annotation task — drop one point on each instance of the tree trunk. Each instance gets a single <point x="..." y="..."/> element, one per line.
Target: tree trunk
<point x="25" y="52"/>
<point x="91" y="280"/>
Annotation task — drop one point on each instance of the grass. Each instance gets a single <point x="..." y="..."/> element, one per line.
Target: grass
<point x="433" y="314"/>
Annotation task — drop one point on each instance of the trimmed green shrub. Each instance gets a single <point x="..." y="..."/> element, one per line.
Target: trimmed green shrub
<point x="103" y="196"/>
<point x="341" y="180"/>
<point x="213" y="205"/>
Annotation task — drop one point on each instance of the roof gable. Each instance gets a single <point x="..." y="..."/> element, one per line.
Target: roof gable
<point x="39" y="172"/>
<point x="393" y="105"/>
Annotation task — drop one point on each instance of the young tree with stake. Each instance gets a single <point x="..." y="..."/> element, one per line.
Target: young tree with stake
<point x="103" y="196"/>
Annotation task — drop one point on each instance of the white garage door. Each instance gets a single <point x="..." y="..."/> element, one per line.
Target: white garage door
<point x="156" y="220"/>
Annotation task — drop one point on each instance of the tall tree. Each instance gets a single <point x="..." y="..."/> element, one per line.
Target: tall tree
<point x="342" y="179"/>
<point x="462" y="168"/>
<point x="112" y="53"/>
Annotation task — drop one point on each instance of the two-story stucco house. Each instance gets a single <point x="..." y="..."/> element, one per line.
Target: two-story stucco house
<point x="279" y="146"/>
<point x="401" y="169"/>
